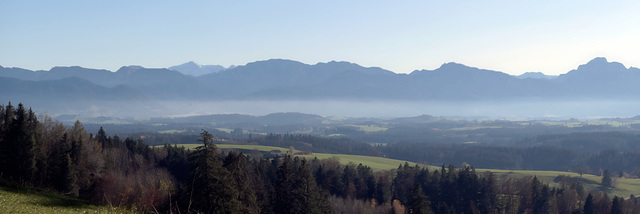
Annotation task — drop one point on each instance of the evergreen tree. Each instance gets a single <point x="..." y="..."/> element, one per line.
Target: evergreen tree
<point x="60" y="166"/>
<point x="383" y="189"/>
<point x="367" y="182"/>
<point x="588" y="205"/>
<point x="488" y="193"/>
<point x="237" y="165"/>
<point x="19" y="144"/>
<point x="606" y="179"/>
<point x="285" y="196"/>
<point x="403" y="182"/>
<point x="102" y="138"/>
<point x="297" y="190"/>
<point x="418" y="202"/>
<point x="210" y="188"/>
<point x="4" y="150"/>
<point x="616" y="206"/>
<point x="315" y="199"/>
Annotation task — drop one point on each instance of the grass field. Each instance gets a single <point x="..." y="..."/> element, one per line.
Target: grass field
<point x="25" y="200"/>
<point x="376" y="163"/>
<point x="369" y="128"/>
<point x="623" y="186"/>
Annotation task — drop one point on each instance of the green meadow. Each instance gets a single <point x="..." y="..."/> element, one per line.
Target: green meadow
<point x="623" y="186"/>
<point x="27" y="200"/>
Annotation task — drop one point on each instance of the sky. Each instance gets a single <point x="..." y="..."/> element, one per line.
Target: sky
<point x="514" y="37"/>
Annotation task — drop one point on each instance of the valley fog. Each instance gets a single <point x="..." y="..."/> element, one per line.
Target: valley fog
<point x="496" y="110"/>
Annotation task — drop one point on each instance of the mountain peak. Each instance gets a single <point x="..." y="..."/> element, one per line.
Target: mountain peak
<point x="453" y="66"/>
<point x="600" y="64"/>
<point x="275" y="64"/>
<point x="130" y="68"/>
<point x="194" y="69"/>
<point x="598" y="60"/>
<point x="535" y="75"/>
<point x="599" y="69"/>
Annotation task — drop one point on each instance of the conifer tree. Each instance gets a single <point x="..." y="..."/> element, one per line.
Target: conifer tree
<point x="606" y="179"/>
<point x="588" y="205"/>
<point x="19" y="146"/>
<point x="616" y="206"/>
<point x="210" y="187"/>
<point x="3" y="142"/>
<point x="314" y="198"/>
<point x="418" y="202"/>
<point x="237" y="165"/>
<point x="296" y="189"/>
<point x="285" y="196"/>
<point x="60" y="165"/>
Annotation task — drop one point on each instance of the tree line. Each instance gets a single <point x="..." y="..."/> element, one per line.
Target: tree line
<point x="553" y="158"/>
<point x="108" y="170"/>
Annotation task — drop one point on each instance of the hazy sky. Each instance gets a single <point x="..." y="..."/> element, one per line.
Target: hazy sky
<point x="511" y="36"/>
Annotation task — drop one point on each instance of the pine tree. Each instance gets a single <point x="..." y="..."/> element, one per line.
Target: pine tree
<point x="606" y="179"/>
<point x="102" y="138"/>
<point x="19" y="146"/>
<point x="314" y="198"/>
<point x="3" y="143"/>
<point x="39" y="149"/>
<point x="588" y="205"/>
<point x="297" y="190"/>
<point x="59" y="165"/>
<point x="418" y="202"/>
<point x="616" y="206"/>
<point x="284" y="197"/>
<point x="237" y="165"/>
<point x="210" y="187"/>
<point x="10" y="146"/>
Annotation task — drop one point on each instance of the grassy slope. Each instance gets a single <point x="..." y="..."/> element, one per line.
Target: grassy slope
<point x="376" y="163"/>
<point x="624" y="187"/>
<point x="26" y="200"/>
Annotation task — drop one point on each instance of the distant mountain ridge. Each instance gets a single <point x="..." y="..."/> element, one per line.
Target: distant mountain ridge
<point x="280" y="79"/>
<point x="536" y="75"/>
<point x="195" y="69"/>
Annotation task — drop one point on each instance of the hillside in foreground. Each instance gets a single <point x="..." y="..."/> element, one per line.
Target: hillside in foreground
<point x="26" y="200"/>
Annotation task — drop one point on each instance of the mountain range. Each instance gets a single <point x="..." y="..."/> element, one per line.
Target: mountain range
<point x="280" y="79"/>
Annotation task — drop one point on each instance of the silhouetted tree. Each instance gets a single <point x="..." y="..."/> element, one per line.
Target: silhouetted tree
<point x="237" y="165"/>
<point x="210" y="188"/>
<point x="588" y="205"/>
<point x="418" y="202"/>
<point x="606" y="179"/>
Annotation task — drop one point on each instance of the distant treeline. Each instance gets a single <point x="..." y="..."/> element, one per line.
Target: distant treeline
<point x="528" y="158"/>
<point x="108" y="170"/>
<point x="587" y="152"/>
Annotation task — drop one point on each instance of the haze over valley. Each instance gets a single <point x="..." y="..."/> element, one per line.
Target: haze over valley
<point x="263" y="107"/>
<point x="595" y="89"/>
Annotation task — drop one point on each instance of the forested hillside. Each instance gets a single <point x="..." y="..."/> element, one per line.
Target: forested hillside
<point x="108" y="170"/>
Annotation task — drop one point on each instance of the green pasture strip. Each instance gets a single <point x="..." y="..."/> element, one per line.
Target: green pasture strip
<point x="252" y="147"/>
<point x="369" y="128"/>
<point x="228" y="131"/>
<point x="233" y="146"/>
<point x="27" y="200"/>
<point x="623" y="186"/>
<point x="475" y="128"/>
<point x="376" y="163"/>
<point x="172" y="131"/>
